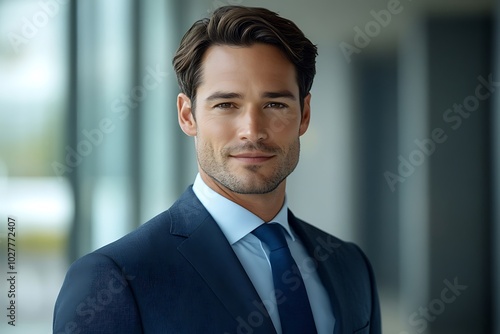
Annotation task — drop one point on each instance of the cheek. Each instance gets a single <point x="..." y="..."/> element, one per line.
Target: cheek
<point x="282" y="124"/>
<point x="212" y="137"/>
<point x="216" y="130"/>
<point x="285" y="135"/>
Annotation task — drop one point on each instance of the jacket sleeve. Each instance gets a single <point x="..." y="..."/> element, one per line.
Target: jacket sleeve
<point x="96" y="297"/>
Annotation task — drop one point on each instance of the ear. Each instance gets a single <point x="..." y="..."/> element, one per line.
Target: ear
<point x="306" y="115"/>
<point x="185" y="115"/>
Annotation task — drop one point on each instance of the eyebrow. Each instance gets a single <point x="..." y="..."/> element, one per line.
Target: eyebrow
<point x="223" y="96"/>
<point x="280" y="94"/>
<point x="219" y="95"/>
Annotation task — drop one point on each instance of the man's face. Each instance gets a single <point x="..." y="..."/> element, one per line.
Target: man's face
<point x="247" y="120"/>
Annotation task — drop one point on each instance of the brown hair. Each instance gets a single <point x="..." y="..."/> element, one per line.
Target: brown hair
<point x="243" y="26"/>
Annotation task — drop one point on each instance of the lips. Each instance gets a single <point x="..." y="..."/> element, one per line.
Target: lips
<point x="253" y="157"/>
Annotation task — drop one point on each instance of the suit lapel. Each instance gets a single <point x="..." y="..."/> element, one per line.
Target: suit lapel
<point x="324" y="251"/>
<point x="209" y="252"/>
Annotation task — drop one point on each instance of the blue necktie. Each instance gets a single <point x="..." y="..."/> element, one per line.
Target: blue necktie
<point x="291" y="295"/>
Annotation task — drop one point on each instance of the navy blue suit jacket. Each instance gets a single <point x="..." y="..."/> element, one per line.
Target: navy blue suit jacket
<point x="177" y="273"/>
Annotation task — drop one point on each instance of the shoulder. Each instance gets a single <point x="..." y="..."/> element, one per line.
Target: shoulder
<point x="325" y="246"/>
<point x="100" y="288"/>
<point x="94" y="291"/>
<point x="141" y="249"/>
<point x="160" y="235"/>
<point x="143" y="239"/>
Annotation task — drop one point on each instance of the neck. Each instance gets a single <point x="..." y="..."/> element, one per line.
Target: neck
<point x="264" y="206"/>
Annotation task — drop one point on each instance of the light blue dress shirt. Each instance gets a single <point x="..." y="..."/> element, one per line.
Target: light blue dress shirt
<point x="237" y="223"/>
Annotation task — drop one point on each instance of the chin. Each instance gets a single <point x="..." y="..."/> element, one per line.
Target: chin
<point x="254" y="186"/>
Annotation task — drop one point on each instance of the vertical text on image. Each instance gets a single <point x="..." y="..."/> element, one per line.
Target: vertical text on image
<point x="11" y="271"/>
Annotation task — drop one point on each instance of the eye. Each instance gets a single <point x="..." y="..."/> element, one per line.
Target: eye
<point x="224" y="105"/>
<point x="276" y="105"/>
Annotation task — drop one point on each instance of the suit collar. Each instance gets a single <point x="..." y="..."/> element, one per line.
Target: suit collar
<point x="187" y="214"/>
<point x="225" y="212"/>
<point x="209" y="252"/>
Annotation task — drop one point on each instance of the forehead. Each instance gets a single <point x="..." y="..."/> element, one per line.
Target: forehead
<point x="260" y="66"/>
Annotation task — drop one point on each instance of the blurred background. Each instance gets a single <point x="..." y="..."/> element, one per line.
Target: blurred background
<point x="402" y="156"/>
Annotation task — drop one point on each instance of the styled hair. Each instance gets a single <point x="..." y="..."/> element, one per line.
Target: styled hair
<point x="243" y="26"/>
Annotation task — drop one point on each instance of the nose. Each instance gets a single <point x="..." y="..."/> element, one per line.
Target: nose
<point x="253" y="125"/>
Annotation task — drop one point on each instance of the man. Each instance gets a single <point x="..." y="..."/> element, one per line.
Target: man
<point x="228" y="256"/>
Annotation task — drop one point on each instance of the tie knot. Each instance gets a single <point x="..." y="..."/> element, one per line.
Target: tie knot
<point x="272" y="235"/>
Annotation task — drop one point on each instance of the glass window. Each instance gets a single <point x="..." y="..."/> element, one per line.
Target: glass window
<point x="33" y="61"/>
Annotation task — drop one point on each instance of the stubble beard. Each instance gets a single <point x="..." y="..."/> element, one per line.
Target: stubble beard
<point x="250" y="181"/>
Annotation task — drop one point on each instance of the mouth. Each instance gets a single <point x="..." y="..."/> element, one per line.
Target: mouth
<point x="252" y="157"/>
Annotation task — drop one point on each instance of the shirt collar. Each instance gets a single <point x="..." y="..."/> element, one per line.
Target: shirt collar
<point x="234" y="220"/>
